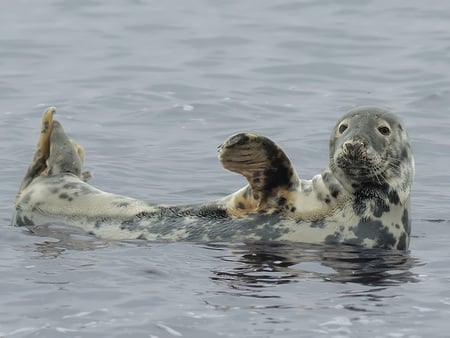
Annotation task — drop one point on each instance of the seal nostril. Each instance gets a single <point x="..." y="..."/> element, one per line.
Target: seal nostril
<point x="348" y="146"/>
<point x="354" y="147"/>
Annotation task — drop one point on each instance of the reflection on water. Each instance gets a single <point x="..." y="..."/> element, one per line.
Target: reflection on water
<point x="264" y="264"/>
<point x="258" y="264"/>
<point x="61" y="238"/>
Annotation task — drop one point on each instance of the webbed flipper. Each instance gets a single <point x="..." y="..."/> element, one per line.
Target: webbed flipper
<point x="54" y="154"/>
<point x="38" y="163"/>
<point x="269" y="172"/>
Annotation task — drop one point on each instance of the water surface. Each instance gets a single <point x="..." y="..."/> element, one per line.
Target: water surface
<point x="150" y="89"/>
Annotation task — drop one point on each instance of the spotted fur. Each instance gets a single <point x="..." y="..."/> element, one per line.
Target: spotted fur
<point x="361" y="199"/>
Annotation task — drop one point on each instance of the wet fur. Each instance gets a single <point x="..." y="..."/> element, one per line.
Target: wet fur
<point x="362" y="198"/>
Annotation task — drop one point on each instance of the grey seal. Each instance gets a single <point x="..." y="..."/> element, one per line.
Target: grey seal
<point x="362" y="198"/>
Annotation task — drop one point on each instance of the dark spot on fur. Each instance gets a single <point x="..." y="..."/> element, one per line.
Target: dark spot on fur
<point x="393" y="197"/>
<point x="36" y="206"/>
<point x="359" y="206"/>
<point x="26" y="199"/>
<point x="372" y="192"/>
<point x="54" y="190"/>
<point x="70" y="186"/>
<point x="406" y="221"/>
<point x="317" y="224"/>
<point x="293" y="209"/>
<point x="211" y="211"/>
<point x="380" y="208"/>
<point x="278" y="174"/>
<point x="402" y="242"/>
<point x="257" y="177"/>
<point x="334" y="190"/>
<point x="131" y="226"/>
<point x="241" y="139"/>
<point x="327" y="200"/>
<point x="281" y="201"/>
<point x="64" y="196"/>
<point x="204" y="211"/>
<point x="375" y="230"/>
<point x="240" y="205"/>
<point x="333" y="238"/>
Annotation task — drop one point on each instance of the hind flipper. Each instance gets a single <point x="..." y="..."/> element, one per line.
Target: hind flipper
<point x="38" y="163"/>
<point x="54" y="154"/>
<point x="86" y="174"/>
<point x="269" y="172"/>
<point x="64" y="155"/>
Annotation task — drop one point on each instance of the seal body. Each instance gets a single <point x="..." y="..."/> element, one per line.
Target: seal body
<point x="361" y="198"/>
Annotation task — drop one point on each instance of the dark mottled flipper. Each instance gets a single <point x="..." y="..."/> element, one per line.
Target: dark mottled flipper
<point x="38" y="164"/>
<point x="266" y="167"/>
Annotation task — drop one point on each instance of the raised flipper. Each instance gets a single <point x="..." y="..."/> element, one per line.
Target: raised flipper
<point x="66" y="155"/>
<point x="269" y="172"/>
<point x="63" y="157"/>
<point x="54" y="154"/>
<point x="38" y="164"/>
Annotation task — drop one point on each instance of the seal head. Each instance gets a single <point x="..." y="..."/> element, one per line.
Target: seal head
<point x="370" y="153"/>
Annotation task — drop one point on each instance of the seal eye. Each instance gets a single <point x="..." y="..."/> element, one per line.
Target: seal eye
<point x="343" y="127"/>
<point x="384" y="131"/>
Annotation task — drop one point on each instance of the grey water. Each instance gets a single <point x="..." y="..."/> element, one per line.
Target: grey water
<point x="150" y="89"/>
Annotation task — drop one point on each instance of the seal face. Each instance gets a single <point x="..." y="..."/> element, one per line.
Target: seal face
<point x="362" y="198"/>
<point x="369" y="150"/>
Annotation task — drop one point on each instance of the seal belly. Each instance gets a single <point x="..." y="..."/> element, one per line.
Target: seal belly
<point x="66" y="196"/>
